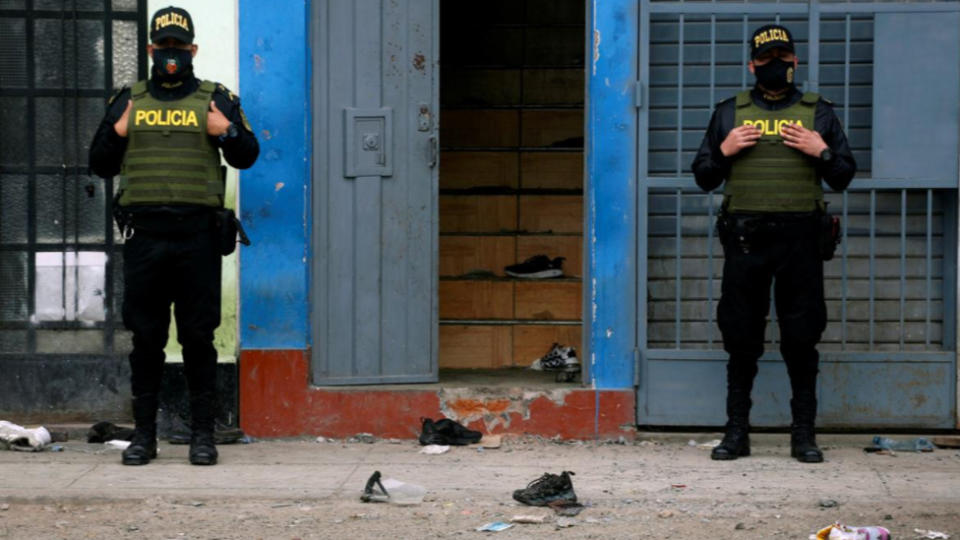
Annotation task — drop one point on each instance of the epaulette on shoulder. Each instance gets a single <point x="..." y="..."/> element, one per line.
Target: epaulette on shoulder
<point x="117" y="94"/>
<point x="221" y="89"/>
<point x="727" y="100"/>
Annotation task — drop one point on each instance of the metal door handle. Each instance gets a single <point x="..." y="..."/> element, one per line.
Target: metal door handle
<point x="433" y="150"/>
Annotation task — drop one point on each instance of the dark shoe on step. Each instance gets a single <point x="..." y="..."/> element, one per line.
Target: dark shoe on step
<point x="203" y="451"/>
<point x="803" y="445"/>
<point x="142" y="448"/>
<point x="735" y="444"/>
<point x="447" y="432"/>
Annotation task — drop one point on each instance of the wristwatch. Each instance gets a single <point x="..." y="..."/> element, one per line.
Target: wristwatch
<point x="231" y="133"/>
<point x="826" y="156"/>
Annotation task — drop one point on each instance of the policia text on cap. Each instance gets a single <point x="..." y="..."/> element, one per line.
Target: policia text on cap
<point x="771" y="146"/>
<point x="164" y="137"/>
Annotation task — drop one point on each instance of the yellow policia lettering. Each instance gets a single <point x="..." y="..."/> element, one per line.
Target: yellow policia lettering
<point x="175" y="117"/>
<point x="771" y="126"/>
<point x="171" y="18"/>
<point x="774" y="34"/>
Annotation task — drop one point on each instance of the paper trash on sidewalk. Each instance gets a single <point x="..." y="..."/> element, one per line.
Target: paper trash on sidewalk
<point x="117" y="444"/>
<point x="495" y="526"/>
<point x="14" y="437"/>
<point x="931" y="535"/>
<point x="491" y="442"/>
<point x="843" y="532"/>
<point x="434" y="449"/>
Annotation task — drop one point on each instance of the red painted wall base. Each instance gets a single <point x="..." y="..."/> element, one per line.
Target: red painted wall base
<point x="276" y="400"/>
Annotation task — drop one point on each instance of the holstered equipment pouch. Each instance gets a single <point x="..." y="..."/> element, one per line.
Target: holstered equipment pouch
<point x="229" y="228"/>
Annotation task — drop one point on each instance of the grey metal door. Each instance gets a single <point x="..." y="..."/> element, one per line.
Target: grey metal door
<point x="888" y="357"/>
<point x="374" y="257"/>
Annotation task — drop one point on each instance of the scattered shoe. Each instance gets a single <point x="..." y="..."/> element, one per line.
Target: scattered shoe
<point x="547" y="489"/>
<point x="374" y="490"/>
<point x="447" y="432"/>
<point x="102" y="432"/>
<point x="558" y="358"/>
<point x="536" y="267"/>
<point x="222" y="434"/>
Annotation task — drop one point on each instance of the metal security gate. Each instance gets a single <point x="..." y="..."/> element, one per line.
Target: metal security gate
<point x="60" y="271"/>
<point x="888" y="356"/>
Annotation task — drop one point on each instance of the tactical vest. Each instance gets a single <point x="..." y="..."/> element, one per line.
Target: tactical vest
<point x="169" y="158"/>
<point x="772" y="177"/>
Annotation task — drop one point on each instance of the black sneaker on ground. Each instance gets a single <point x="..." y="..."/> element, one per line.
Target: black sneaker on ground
<point x="447" y="432"/>
<point x="547" y="489"/>
<point x="536" y="267"/>
<point x="102" y="432"/>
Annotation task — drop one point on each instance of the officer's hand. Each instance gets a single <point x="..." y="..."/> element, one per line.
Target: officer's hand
<point x="740" y="138"/>
<point x="217" y="123"/>
<point x="120" y="126"/>
<point x="805" y="140"/>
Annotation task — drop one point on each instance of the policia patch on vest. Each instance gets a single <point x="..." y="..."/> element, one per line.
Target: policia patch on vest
<point x="770" y="176"/>
<point x="169" y="157"/>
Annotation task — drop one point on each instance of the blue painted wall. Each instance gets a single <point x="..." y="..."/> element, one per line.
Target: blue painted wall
<point x="611" y="195"/>
<point x="275" y="193"/>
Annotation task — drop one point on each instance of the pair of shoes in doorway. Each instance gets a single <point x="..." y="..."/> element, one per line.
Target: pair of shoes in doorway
<point x="143" y="448"/>
<point x="736" y="444"/>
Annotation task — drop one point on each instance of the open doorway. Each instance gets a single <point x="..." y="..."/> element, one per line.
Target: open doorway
<point x="511" y="184"/>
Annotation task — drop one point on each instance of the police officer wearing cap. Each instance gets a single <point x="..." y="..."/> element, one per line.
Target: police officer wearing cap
<point x="164" y="137"/>
<point x="771" y="146"/>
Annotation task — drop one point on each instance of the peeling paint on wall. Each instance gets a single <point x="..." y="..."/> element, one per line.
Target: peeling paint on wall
<point x="495" y="409"/>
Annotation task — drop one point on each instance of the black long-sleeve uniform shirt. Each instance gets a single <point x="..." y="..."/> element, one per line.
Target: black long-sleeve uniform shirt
<point x="108" y="148"/>
<point x="711" y="168"/>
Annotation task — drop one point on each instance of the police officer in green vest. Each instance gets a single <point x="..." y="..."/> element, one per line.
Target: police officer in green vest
<point x="771" y="147"/>
<point x="164" y="137"/>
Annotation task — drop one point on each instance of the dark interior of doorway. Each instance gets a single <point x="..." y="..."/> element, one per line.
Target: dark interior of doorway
<point x="511" y="183"/>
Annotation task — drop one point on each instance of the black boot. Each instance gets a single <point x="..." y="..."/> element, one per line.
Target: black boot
<point x="803" y="442"/>
<point x="803" y="445"/>
<point x="203" y="450"/>
<point x="736" y="440"/>
<point x="143" y="447"/>
<point x="735" y="443"/>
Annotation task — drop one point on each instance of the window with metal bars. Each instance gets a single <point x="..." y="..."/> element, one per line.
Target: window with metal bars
<point x="886" y="288"/>
<point x="60" y="262"/>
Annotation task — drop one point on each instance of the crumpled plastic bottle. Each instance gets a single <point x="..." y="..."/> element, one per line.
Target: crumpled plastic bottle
<point x="918" y="444"/>
<point x="838" y="531"/>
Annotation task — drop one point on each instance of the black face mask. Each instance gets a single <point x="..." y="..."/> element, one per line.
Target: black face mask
<point x="775" y="75"/>
<point x="172" y="63"/>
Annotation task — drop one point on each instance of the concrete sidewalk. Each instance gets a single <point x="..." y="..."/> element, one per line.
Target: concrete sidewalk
<point x="657" y="488"/>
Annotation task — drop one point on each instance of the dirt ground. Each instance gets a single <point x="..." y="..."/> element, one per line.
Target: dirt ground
<point x="305" y="489"/>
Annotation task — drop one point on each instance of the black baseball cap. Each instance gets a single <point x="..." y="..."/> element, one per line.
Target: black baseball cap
<point x="171" y="22"/>
<point x="769" y="37"/>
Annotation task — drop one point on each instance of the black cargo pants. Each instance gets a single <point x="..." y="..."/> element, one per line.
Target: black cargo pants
<point x="182" y="269"/>
<point x="785" y="250"/>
